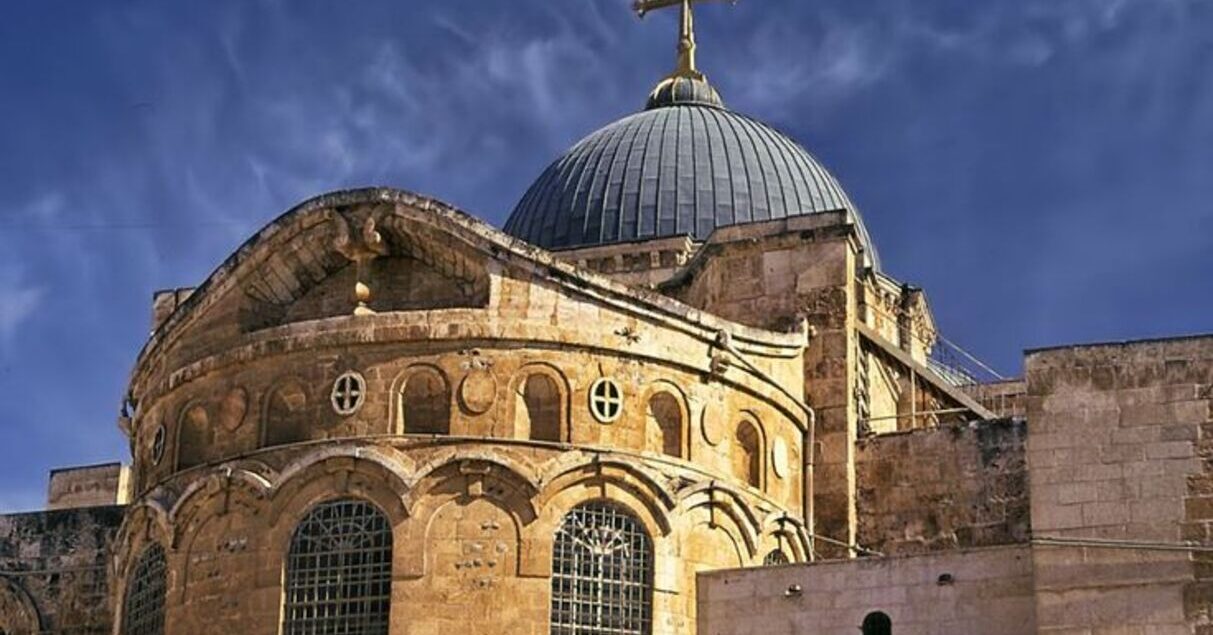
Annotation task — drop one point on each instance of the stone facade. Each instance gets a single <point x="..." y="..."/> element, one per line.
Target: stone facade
<point x="963" y="592"/>
<point x="944" y="488"/>
<point x="1119" y="455"/>
<point x="759" y="398"/>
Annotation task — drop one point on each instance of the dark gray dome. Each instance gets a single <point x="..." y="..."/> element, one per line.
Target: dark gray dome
<point x="684" y="166"/>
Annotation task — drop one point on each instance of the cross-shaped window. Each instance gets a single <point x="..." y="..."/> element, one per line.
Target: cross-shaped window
<point x="349" y="392"/>
<point x="606" y="400"/>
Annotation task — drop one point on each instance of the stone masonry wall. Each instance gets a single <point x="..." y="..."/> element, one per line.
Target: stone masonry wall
<point x="1119" y="452"/>
<point x="88" y="486"/>
<point x="772" y="275"/>
<point x="56" y="563"/>
<point x="973" y="592"/>
<point x="944" y="488"/>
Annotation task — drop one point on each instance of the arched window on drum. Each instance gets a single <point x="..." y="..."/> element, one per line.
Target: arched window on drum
<point x="425" y="403"/>
<point x="665" y="425"/>
<point x="537" y="411"/>
<point x="602" y="573"/>
<point x="339" y="571"/>
<point x="143" y="604"/>
<point x="748" y="453"/>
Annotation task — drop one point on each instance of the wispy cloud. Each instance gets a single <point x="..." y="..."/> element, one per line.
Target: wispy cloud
<point x="19" y="301"/>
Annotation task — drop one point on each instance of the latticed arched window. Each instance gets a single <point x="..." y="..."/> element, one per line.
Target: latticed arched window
<point x="425" y="403"/>
<point x="339" y="572"/>
<point x="602" y="573"/>
<point x="143" y="607"/>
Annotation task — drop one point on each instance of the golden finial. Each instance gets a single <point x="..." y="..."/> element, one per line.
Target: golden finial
<point x="686" y="42"/>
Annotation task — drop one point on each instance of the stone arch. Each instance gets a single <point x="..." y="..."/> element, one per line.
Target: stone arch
<point x="749" y="451"/>
<point x="283" y="413"/>
<point x="667" y="418"/>
<point x="541" y="396"/>
<point x="195" y="434"/>
<point x="722" y="503"/>
<point x="145" y="521"/>
<point x="463" y="482"/>
<point x="788" y="534"/>
<point x="18" y="613"/>
<point x="515" y="470"/>
<point x="574" y="468"/>
<point x="338" y="473"/>
<point x="215" y="481"/>
<point x="219" y="533"/>
<point x="423" y="402"/>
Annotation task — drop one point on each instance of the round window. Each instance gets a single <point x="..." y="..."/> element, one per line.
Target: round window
<point x="159" y="442"/>
<point x="349" y="393"/>
<point x="606" y="400"/>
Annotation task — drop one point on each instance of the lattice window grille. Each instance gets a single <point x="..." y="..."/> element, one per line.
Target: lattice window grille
<point x="775" y="558"/>
<point x="339" y="572"/>
<point x="602" y="573"/>
<point x="143" y="609"/>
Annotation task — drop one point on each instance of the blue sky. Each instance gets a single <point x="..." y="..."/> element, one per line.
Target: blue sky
<point x="1043" y="168"/>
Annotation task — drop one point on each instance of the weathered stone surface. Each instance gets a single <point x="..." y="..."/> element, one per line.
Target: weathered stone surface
<point x="54" y="575"/>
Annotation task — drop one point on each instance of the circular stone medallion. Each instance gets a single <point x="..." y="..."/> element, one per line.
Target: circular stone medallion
<point x="478" y="391"/>
<point x="234" y="408"/>
<point x="779" y="457"/>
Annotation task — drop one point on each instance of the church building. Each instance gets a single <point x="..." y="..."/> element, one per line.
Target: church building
<point x="677" y="394"/>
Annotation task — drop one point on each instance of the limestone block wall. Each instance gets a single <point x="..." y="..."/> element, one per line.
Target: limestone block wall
<point x="473" y="527"/>
<point x="89" y="486"/>
<point x="1119" y="452"/>
<point x="54" y="570"/>
<point x="772" y="275"/>
<point x="944" y="488"/>
<point x="986" y="591"/>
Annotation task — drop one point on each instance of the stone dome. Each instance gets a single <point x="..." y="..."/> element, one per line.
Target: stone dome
<point x="684" y="166"/>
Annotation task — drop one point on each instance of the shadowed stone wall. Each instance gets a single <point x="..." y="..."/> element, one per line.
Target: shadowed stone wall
<point x="53" y="570"/>
<point x="944" y="488"/>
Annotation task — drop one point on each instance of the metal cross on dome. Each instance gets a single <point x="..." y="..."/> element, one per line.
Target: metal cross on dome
<point x="686" y="42"/>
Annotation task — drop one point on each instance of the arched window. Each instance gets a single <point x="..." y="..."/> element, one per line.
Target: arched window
<point x="339" y="571"/>
<point x="286" y="419"/>
<point x="425" y="403"/>
<point x="143" y="607"/>
<point x="602" y="573"/>
<point x="877" y="624"/>
<point x="775" y="558"/>
<point x="747" y="458"/>
<point x="665" y="424"/>
<point x="539" y="408"/>
<point x="194" y="437"/>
